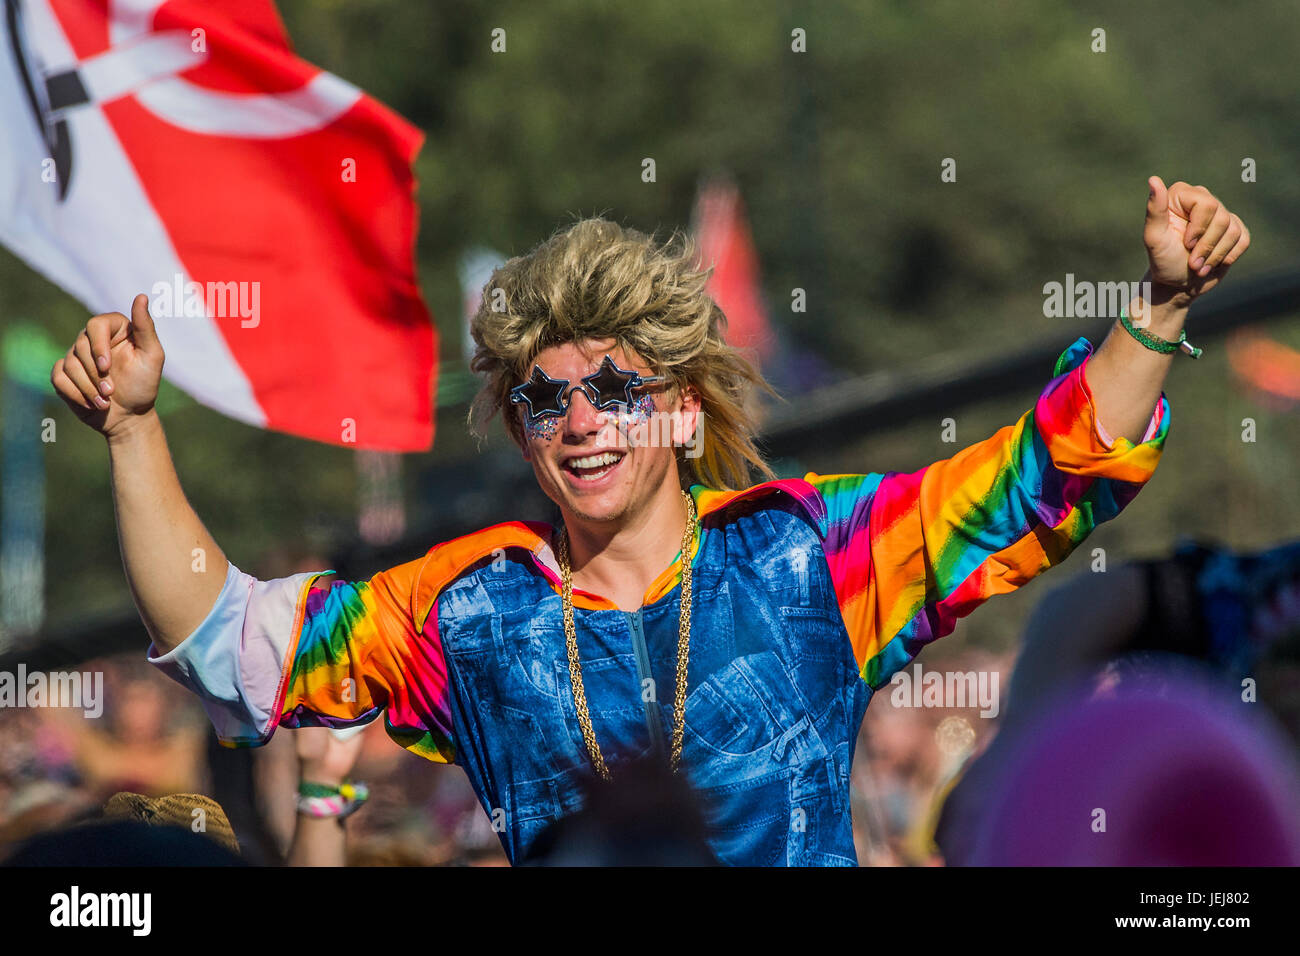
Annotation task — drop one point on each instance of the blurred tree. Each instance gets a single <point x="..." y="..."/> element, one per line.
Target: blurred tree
<point x="837" y="151"/>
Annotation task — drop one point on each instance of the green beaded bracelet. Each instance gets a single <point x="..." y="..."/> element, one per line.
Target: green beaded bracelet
<point x="1163" y="346"/>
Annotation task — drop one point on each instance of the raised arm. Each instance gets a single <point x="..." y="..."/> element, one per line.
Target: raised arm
<point x="910" y="554"/>
<point x="110" y="379"/>
<point x="1191" y="240"/>
<point x="293" y="651"/>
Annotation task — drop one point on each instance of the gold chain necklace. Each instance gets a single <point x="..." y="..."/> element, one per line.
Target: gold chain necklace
<point x="683" y="647"/>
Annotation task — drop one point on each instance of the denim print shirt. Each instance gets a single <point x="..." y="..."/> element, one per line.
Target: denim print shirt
<point x="809" y="594"/>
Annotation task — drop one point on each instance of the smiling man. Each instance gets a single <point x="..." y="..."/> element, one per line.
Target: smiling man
<point x="735" y="630"/>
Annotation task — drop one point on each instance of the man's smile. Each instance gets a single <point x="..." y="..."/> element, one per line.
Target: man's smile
<point x="587" y="468"/>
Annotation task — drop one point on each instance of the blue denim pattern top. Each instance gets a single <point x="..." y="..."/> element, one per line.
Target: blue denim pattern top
<point x="808" y="595"/>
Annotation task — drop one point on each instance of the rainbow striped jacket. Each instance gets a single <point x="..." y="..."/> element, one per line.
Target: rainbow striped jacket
<point x="808" y="595"/>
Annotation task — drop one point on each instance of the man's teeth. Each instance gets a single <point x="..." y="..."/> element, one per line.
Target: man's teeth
<point x="596" y="461"/>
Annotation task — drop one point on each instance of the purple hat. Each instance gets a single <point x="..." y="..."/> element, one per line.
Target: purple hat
<point x="1180" y="775"/>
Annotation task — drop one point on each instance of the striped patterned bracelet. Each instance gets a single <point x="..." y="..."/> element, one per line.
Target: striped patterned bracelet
<point x="321" y="800"/>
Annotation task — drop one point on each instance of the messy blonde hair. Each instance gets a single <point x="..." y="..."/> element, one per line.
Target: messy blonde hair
<point x="599" y="280"/>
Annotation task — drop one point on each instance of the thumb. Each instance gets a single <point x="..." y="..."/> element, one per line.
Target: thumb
<point x="1157" y="211"/>
<point x="142" y="328"/>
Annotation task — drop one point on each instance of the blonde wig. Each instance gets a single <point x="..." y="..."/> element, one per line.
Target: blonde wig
<point x="599" y="280"/>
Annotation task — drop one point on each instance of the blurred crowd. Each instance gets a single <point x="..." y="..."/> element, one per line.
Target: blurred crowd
<point x="1159" y="703"/>
<point x="58" y="767"/>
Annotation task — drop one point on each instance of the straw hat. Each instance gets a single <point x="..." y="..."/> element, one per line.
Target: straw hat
<point x="174" y="810"/>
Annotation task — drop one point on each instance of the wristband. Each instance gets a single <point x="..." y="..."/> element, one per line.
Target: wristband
<point x="322" y="800"/>
<point x="1155" y="344"/>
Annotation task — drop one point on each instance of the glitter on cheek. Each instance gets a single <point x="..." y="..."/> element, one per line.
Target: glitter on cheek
<point x="630" y="422"/>
<point x="544" y="429"/>
<point x="638" y="413"/>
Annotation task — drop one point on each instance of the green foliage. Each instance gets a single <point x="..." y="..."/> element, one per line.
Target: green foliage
<point x="838" y="154"/>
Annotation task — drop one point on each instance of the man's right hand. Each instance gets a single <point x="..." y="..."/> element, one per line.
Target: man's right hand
<point x="110" y="376"/>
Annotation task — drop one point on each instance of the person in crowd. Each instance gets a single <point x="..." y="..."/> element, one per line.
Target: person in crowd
<point x="734" y="630"/>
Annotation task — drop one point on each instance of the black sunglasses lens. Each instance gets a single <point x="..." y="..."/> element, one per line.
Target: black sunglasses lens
<point x="543" y="396"/>
<point x="611" y="385"/>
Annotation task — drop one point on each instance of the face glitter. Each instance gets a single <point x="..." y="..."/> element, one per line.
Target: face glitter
<point x="638" y="413"/>
<point x="629" y="425"/>
<point x="541" y="429"/>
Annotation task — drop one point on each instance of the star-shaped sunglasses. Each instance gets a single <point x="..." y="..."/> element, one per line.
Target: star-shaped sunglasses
<point x="608" y="387"/>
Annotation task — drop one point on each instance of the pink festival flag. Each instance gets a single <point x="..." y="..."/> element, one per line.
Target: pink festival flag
<point x="722" y="232"/>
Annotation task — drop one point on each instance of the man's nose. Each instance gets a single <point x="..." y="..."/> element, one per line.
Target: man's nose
<point x="583" y="418"/>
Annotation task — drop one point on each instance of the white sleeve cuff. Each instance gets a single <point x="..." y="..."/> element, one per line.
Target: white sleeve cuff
<point x="235" y="660"/>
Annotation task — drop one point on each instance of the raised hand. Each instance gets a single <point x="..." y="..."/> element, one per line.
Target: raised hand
<point x="112" y="372"/>
<point x="1191" y="237"/>
<point x="324" y="756"/>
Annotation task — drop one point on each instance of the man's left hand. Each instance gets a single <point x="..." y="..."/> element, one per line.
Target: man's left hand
<point x="1191" y="237"/>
